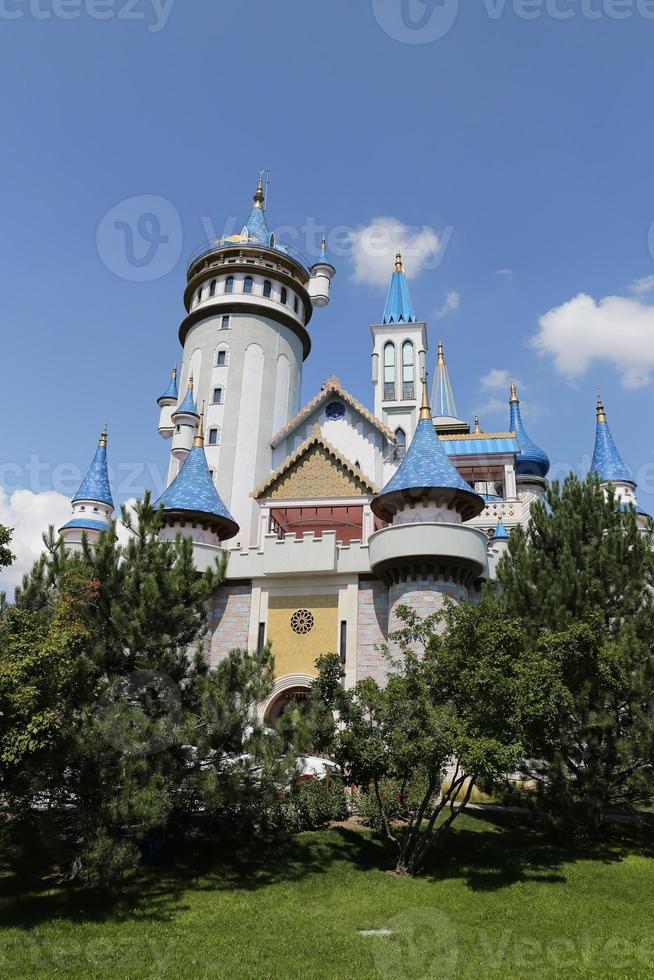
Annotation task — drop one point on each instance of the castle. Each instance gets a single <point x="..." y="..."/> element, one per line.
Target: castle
<point x="332" y="515"/>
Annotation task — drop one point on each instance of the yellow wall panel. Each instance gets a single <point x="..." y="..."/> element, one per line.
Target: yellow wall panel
<point x="296" y="653"/>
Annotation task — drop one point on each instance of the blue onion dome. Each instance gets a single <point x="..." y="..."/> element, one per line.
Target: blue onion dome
<point x="95" y="485"/>
<point x="399" y="308"/>
<point x="193" y="496"/>
<point x="607" y="462"/>
<point x="171" y="393"/>
<point x="187" y="406"/>
<point x="501" y="533"/>
<point x="530" y="461"/>
<point x="427" y="473"/>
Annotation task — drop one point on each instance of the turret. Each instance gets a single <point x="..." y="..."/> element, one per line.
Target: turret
<point x="496" y="547"/>
<point x="446" y="417"/>
<point x="93" y="504"/>
<point x="322" y="273"/>
<point x="609" y="466"/>
<point x="532" y="464"/>
<point x="426" y="552"/>
<point x="193" y="508"/>
<point x="166" y="403"/>
<point x="185" y="420"/>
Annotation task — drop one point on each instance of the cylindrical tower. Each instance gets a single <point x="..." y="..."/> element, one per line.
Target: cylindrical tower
<point x="245" y="339"/>
<point x="426" y="553"/>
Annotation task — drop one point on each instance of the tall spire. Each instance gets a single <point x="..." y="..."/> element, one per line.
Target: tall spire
<point x="425" y="410"/>
<point x="607" y="462"/>
<point x="530" y="460"/>
<point x="171" y="393"/>
<point x="442" y="396"/>
<point x="399" y="308"/>
<point x="256" y="227"/>
<point x="259" y="199"/>
<point x="95" y="486"/>
<point x="187" y="406"/>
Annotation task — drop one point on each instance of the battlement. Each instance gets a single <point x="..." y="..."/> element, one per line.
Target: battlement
<point x="307" y="554"/>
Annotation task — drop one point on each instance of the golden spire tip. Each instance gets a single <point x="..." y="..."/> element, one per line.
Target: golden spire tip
<point x="398" y="262"/>
<point x="103" y="436"/>
<point x="601" y="413"/>
<point x="425" y="410"/>
<point x="514" y="392"/>
<point x="259" y="196"/>
<point x="441" y="352"/>
<point x="199" y="435"/>
<point x="477" y="426"/>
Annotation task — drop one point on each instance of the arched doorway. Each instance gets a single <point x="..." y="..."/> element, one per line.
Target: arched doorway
<point x="293" y="689"/>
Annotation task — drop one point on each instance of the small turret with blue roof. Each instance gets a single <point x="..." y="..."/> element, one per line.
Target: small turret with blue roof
<point x="322" y="272"/>
<point x="185" y="420"/>
<point x="166" y="401"/>
<point x="531" y="461"/>
<point x="501" y="533"/>
<point x="191" y="503"/>
<point x="399" y="308"/>
<point x="93" y="504"/>
<point x="256" y="228"/>
<point x="608" y="465"/>
<point x="427" y="476"/>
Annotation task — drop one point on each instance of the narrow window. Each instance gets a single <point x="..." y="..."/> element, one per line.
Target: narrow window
<point x="221" y="358"/>
<point x="212" y="288"/>
<point x="408" y="388"/>
<point x="267" y="288"/>
<point x="247" y="284"/>
<point x="343" y="650"/>
<point x="283" y="296"/>
<point x="225" y="322"/>
<point x="296" y="304"/>
<point x="389" y="372"/>
<point x="217" y="396"/>
<point x="229" y="284"/>
<point x="213" y="437"/>
<point x="400" y="444"/>
<point x="199" y="295"/>
<point x="261" y="638"/>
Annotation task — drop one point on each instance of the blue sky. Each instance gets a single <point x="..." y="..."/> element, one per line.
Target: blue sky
<point x="523" y="146"/>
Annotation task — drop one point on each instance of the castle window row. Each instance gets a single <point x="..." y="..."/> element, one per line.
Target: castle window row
<point x="407" y="364"/>
<point x="248" y="286"/>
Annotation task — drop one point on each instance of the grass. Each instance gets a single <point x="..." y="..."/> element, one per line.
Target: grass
<point x="500" y="901"/>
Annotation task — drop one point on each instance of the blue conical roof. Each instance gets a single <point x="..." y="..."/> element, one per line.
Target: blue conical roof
<point x="501" y="533"/>
<point x="530" y="460"/>
<point x="171" y="391"/>
<point x="607" y="461"/>
<point x="95" y="485"/>
<point x="323" y="258"/>
<point x="399" y="308"/>
<point x="193" y="492"/>
<point x="187" y="406"/>
<point x="256" y="226"/>
<point x="426" y="467"/>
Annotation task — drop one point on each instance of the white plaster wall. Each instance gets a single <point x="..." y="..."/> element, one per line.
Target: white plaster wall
<point x="280" y="414"/>
<point x="247" y="439"/>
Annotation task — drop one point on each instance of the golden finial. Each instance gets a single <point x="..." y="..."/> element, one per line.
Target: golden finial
<point x="514" y="392"/>
<point x="199" y="435"/>
<point x="601" y="414"/>
<point x="190" y="383"/>
<point x="103" y="436"/>
<point x="324" y="244"/>
<point x="441" y="353"/>
<point x="174" y="372"/>
<point x="477" y="427"/>
<point x="259" y="197"/>
<point x="398" y="262"/>
<point x="425" y="410"/>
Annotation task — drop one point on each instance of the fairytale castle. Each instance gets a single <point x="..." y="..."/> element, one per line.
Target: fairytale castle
<point x="332" y="515"/>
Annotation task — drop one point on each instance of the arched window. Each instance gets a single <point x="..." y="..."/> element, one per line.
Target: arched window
<point x="267" y="288"/>
<point x="229" y="284"/>
<point x="283" y="296"/>
<point x="389" y="372"/>
<point x="212" y="288"/>
<point x="400" y="444"/>
<point x="199" y="299"/>
<point x="408" y="370"/>
<point x="247" y="284"/>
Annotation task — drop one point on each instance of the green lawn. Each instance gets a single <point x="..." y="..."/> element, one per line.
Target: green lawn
<point x="501" y="901"/>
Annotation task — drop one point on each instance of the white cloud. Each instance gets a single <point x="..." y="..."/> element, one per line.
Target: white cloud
<point x="30" y="514"/>
<point x="506" y="273"/>
<point x="374" y="247"/>
<point x="616" y="329"/>
<point x="642" y="286"/>
<point x="497" y="379"/>
<point x="451" y="305"/>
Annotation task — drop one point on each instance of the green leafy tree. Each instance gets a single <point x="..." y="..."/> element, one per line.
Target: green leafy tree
<point x="580" y="579"/>
<point x="453" y="713"/>
<point x="114" y="732"/>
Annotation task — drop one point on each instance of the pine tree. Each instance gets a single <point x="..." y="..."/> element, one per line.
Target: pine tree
<point x="580" y="577"/>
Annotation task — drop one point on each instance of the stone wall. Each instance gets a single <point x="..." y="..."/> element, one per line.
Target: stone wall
<point x="372" y="630"/>
<point x="229" y="621"/>
<point x="425" y="596"/>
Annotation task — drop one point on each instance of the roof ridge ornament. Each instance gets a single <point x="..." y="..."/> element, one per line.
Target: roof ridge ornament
<point x="425" y="410"/>
<point x="601" y="413"/>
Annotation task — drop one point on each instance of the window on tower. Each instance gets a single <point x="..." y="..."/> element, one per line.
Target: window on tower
<point x="213" y="436"/>
<point x="225" y="322"/>
<point x="212" y="288"/>
<point x="296" y="304"/>
<point x="229" y="284"/>
<point x="389" y="372"/>
<point x="267" y="288"/>
<point x="283" y="296"/>
<point x="400" y="444"/>
<point x="217" y="396"/>
<point x="247" y="284"/>
<point x="408" y="385"/>
<point x="221" y="358"/>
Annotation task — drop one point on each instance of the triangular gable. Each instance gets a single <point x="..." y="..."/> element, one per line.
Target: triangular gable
<point x="315" y="469"/>
<point x="332" y="387"/>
